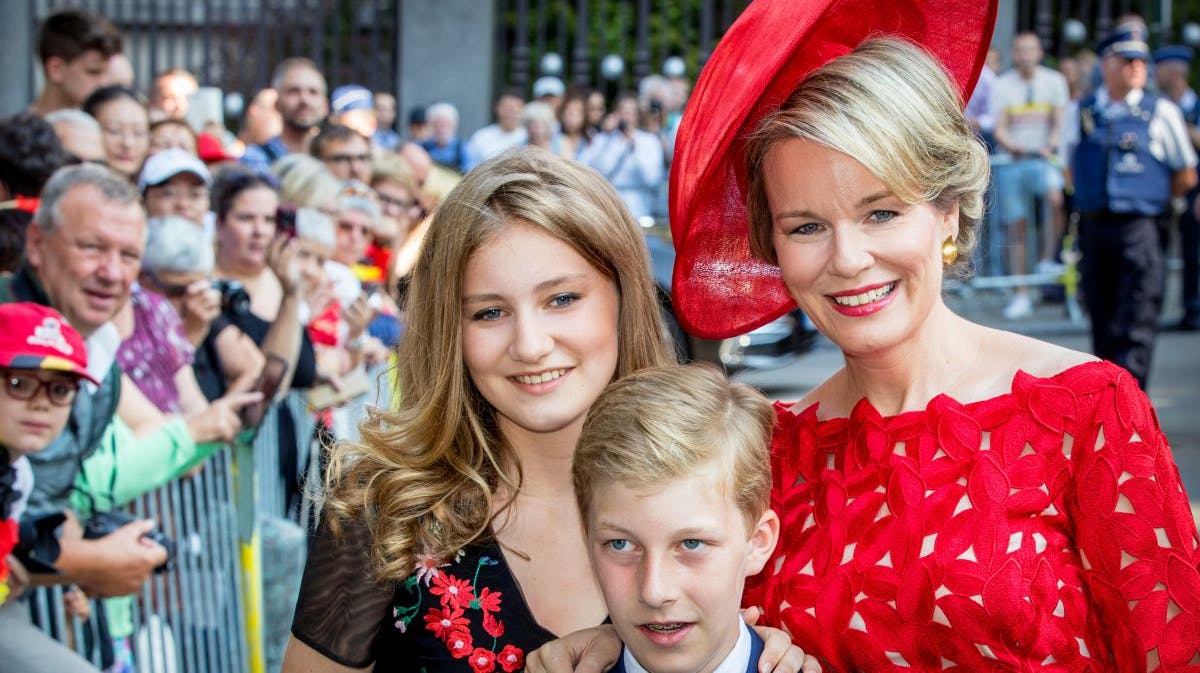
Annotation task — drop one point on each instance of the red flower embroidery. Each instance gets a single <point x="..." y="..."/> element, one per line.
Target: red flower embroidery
<point x="511" y="658"/>
<point x="493" y="626"/>
<point x="446" y="621"/>
<point x="460" y="643"/>
<point x="489" y="601"/>
<point x="482" y="661"/>
<point x="454" y="592"/>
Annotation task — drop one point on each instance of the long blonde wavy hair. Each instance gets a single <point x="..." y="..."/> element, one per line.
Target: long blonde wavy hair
<point x="425" y="474"/>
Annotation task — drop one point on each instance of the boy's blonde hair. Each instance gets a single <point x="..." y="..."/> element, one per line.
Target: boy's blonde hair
<point x="665" y="423"/>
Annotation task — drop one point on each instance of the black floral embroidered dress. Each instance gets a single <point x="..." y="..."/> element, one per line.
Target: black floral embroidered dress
<point x="460" y="615"/>
<point x="464" y="615"/>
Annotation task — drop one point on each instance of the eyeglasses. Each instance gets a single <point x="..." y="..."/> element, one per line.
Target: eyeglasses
<point x="396" y="203"/>
<point x="168" y="290"/>
<point x="349" y="158"/>
<point x="60" y="391"/>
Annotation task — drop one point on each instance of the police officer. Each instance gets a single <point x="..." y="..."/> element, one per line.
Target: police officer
<point x="1133" y="156"/>
<point x="1171" y="73"/>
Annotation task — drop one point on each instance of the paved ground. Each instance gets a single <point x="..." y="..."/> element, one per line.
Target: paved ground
<point x="1174" y="381"/>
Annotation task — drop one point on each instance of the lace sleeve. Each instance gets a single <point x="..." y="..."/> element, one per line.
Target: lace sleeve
<point x="1135" y="533"/>
<point x="341" y="609"/>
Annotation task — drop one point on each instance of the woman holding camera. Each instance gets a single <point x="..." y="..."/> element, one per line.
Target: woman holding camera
<point x="257" y="265"/>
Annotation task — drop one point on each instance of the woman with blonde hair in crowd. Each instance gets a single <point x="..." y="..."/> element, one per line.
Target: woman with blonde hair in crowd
<point x="305" y="182"/>
<point x="460" y="500"/>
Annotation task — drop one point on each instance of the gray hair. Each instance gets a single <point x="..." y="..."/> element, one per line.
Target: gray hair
<point x="354" y="196"/>
<point x="538" y="111"/>
<point x="176" y="244"/>
<point x="312" y="224"/>
<point x="443" y="110"/>
<point x="72" y="117"/>
<point x="113" y="187"/>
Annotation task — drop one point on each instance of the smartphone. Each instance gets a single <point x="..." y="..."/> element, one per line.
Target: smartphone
<point x="285" y="221"/>
<point x="268" y="384"/>
<point x="206" y="105"/>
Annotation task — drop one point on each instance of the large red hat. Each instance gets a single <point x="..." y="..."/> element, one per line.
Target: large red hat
<point x="719" y="288"/>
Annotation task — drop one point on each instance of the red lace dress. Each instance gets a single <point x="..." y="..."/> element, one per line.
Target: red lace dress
<point x="1045" y="529"/>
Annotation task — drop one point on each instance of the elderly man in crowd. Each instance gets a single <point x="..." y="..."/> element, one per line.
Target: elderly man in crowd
<point x="82" y="254"/>
<point x="79" y="133"/>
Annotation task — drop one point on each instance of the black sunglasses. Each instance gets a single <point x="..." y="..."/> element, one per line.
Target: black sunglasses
<point x="60" y="391"/>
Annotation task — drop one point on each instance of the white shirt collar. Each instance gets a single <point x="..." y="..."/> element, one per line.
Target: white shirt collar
<point x="734" y="662"/>
<point x="1131" y="99"/>
<point x="102" y="348"/>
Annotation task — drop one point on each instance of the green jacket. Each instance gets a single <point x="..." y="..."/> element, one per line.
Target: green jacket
<point x="125" y="466"/>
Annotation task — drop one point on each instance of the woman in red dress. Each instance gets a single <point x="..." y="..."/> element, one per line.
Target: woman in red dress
<point x="956" y="497"/>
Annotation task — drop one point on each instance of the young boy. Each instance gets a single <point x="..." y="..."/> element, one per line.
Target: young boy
<point x="673" y="478"/>
<point x="42" y="360"/>
<point x="74" y="46"/>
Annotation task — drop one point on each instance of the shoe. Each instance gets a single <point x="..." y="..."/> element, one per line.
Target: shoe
<point x="1021" y="306"/>
<point x="1049" y="266"/>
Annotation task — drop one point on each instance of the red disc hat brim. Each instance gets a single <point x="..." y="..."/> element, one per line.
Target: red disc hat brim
<point x="719" y="290"/>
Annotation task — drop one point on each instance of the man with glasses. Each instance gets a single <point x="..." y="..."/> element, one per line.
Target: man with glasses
<point x="344" y="151"/>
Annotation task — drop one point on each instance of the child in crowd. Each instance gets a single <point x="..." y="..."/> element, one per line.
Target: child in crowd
<point x="673" y="478"/>
<point x="42" y="359"/>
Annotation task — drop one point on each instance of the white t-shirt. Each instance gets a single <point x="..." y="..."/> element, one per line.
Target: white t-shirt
<point x="1029" y="106"/>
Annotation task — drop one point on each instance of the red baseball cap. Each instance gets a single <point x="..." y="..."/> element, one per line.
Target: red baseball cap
<point x="38" y="337"/>
<point x="719" y="289"/>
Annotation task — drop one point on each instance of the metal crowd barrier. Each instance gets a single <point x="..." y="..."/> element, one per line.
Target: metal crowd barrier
<point x="207" y="614"/>
<point x="992" y="270"/>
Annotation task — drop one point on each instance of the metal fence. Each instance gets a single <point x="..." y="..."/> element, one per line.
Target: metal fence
<point x="584" y="41"/>
<point x="208" y="613"/>
<point x="225" y="605"/>
<point x="1066" y="25"/>
<point x="234" y="44"/>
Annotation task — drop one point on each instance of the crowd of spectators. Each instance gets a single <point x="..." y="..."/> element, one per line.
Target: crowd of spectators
<point x="1029" y="116"/>
<point x="195" y="263"/>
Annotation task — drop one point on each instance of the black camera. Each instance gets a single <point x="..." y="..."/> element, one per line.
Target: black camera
<point x="234" y="298"/>
<point x="104" y="523"/>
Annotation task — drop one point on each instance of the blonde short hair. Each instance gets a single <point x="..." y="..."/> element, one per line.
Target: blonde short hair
<point x="305" y="182"/>
<point x="667" y="423"/>
<point x="891" y="106"/>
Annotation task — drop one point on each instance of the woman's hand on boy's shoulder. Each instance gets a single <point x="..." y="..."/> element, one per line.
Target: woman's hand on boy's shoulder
<point x="593" y="650"/>
<point x="779" y="655"/>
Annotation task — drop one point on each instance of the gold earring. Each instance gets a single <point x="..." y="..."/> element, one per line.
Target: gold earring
<point x="949" y="251"/>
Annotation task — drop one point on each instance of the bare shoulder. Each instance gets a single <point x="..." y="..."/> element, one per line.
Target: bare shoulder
<point x="825" y="394"/>
<point x="1033" y="356"/>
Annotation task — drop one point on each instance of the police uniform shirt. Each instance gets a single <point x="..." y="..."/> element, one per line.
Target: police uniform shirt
<point x="1169" y="141"/>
